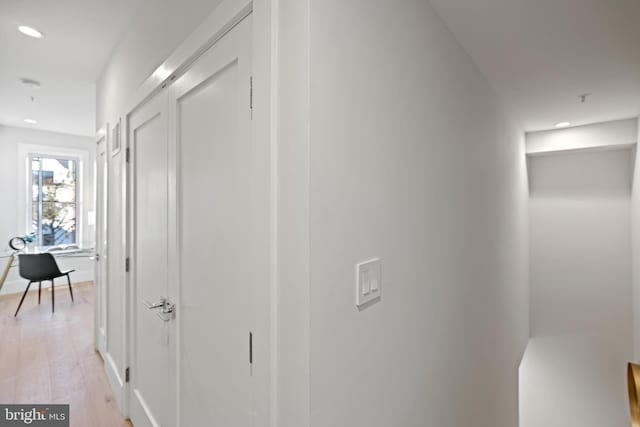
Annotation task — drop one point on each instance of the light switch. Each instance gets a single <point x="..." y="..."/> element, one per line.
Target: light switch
<point x="374" y="285"/>
<point x="368" y="281"/>
<point x="365" y="283"/>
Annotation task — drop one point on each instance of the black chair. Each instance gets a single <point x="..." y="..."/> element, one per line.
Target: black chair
<point x="40" y="268"/>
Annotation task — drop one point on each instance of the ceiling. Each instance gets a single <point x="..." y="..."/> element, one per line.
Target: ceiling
<point x="79" y="38"/>
<point x="540" y="55"/>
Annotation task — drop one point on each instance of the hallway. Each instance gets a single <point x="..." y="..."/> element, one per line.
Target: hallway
<point x="321" y="213"/>
<point x="51" y="359"/>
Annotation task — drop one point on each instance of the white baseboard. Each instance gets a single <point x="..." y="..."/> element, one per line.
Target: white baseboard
<point x="19" y="285"/>
<point x="101" y="342"/>
<point x="116" y="382"/>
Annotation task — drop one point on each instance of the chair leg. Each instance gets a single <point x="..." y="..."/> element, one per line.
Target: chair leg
<point x="22" y="300"/>
<point x="70" y="290"/>
<point x="39" y="291"/>
<point x="53" y="297"/>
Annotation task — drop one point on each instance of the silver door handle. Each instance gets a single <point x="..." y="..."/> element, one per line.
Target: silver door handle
<point x="168" y="309"/>
<point x="161" y="304"/>
<point x="97" y="257"/>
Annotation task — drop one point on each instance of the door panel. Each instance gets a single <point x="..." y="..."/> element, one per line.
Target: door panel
<point x="151" y="361"/>
<point x="211" y="122"/>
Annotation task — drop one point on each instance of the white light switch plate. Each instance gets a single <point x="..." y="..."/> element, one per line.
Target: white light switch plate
<point x="368" y="281"/>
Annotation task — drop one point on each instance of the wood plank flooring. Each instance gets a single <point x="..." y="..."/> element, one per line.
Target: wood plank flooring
<point x="50" y="358"/>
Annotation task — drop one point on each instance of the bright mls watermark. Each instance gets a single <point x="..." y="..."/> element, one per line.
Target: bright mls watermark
<point x="34" y="415"/>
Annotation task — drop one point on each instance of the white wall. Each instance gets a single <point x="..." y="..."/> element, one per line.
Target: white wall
<point x="574" y="370"/>
<point x="412" y="160"/>
<point x="292" y="215"/>
<point x="12" y="214"/>
<point x="597" y="135"/>
<point x="157" y="29"/>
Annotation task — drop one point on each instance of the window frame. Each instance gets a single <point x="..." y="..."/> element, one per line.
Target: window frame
<point x="75" y="159"/>
<point x="25" y="153"/>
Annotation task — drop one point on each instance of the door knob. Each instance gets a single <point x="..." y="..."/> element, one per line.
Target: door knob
<point x="160" y="304"/>
<point x="167" y="311"/>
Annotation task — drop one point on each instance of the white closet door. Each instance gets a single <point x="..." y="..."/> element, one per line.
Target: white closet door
<point x="152" y="333"/>
<point x="210" y="137"/>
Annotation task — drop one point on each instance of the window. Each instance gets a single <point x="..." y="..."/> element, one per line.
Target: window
<point x="54" y="200"/>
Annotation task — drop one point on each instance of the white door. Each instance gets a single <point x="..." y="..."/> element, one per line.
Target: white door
<point x="210" y="147"/>
<point x="101" y="244"/>
<point x="152" y="338"/>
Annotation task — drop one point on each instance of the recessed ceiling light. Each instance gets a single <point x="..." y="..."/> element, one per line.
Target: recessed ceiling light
<point x="31" y="32"/>
<point x="563" y="124"/>
<point x="30" y="121"/>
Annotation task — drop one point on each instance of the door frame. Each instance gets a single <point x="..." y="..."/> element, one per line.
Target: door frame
<point x="101" y="272"/>
<point x="116" y="375"/>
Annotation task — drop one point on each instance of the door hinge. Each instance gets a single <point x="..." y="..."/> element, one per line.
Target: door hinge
<point x="250" y="348"/>
<point x="127" y="264"/>
<point x="251" y="95"/>
<point x="127" y="154"/>
<point x="126" y="375"/>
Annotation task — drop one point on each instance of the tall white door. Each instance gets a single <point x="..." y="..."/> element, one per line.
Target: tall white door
<point x="152" y="330"/>
<point x="210" y="141"/>
<point x="101" y="245"/>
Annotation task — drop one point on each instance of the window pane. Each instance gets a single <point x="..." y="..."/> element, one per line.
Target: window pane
<point x="59" y="180"/>
<point x="58" y="223"/>
<point x="53" y="194"/>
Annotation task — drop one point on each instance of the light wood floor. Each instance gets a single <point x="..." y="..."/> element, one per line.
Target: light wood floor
<point x="50" y="358"/>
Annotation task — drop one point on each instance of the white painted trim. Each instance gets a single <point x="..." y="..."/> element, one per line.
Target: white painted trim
<point x="116" y="381"/>
<point x="273" y="200"/>
<point x="101" y="342"/>
<point x="146" y="409"/>
<point x="118" y="161"/>
<point x="173" y="274"/>
<point x="124" y="133"/>
<point x="100" y="334"/>
<point x="264" y="316"/>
